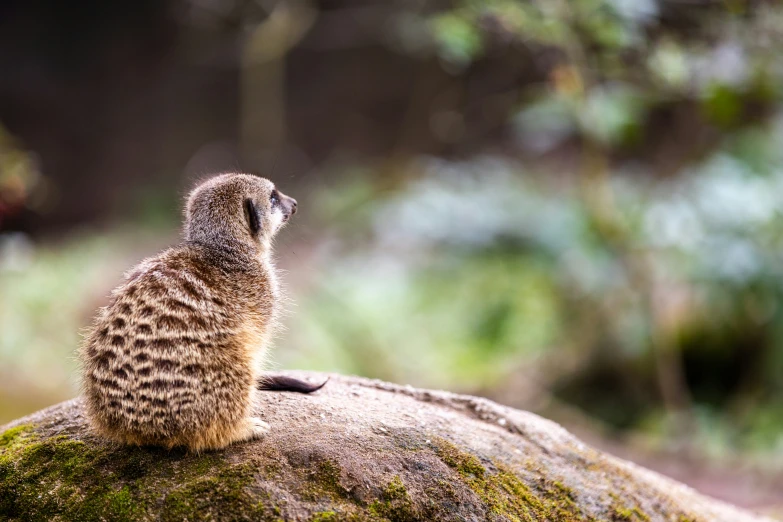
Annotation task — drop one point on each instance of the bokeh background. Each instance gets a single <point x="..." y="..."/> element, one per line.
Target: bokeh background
<point x="569" y="206"/>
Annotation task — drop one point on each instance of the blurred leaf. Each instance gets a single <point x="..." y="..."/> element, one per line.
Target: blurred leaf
<point x="669" y="63"/>
<point x="611" y="113"/>
<point x="459" y="41"/>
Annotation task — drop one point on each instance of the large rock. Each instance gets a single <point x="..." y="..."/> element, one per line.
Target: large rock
<point x="356" y="450"/>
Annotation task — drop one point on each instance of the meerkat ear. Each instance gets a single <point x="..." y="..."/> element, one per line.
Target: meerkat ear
<point x="253" y="216"/>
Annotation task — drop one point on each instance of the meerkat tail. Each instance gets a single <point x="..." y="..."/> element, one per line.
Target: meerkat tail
<point x="282" y="383"/>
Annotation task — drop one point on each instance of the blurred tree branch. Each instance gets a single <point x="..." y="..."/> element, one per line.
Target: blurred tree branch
<point x="263" y="78"/>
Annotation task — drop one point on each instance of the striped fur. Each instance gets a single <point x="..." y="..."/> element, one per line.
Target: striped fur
<point x="176" y="357"/>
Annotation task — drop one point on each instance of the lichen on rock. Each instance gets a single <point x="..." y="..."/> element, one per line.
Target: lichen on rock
<point x="356" y="450"/>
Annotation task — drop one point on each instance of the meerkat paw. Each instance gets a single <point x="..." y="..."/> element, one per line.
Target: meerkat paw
<point x="256" y="428"/>
<point x="251" y="428"/>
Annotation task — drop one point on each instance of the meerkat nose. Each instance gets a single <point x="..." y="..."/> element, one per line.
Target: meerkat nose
<point x="293" y="206"/>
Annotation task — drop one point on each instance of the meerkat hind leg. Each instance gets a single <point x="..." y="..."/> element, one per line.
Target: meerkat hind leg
<point x="217" y="438"/>
<point x="254" y="428"/>
<point x="251" y="428"/>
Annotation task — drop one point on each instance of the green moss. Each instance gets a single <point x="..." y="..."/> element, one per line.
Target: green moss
<point x="325" y="482"/>
<point x="221" y="495"/>
<point x="71" y="480"/>
<point x="506" y="495"/>
<point x="12" y="435"/>
<point x="633" y="514"/>
<point x="325" y="516"/>
<point x="395" y="490"/>
<point x="58" y="476"/>
<point x="466" y="464"/>
<point x="395" y="504"/>
<point x="106" y="505"/>
<point x="122" y="502"/>
<point x="203" y="464"/>
<point x="328" y="476"/>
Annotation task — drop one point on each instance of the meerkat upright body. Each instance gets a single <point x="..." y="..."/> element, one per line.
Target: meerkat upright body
<point x="175" y="359"/>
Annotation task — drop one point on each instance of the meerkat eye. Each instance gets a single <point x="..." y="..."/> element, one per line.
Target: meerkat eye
<point x="274" y="197"/>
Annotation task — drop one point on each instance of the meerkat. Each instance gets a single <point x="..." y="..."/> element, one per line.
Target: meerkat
<point x="176" y="358"/>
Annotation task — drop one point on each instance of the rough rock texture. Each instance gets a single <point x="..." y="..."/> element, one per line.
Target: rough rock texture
<point x="356" y="450"/>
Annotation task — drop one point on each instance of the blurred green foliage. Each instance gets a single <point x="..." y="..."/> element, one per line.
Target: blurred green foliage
<point x="479" y="273"/>
<point x="613" y="62"/>
<point x="19" y="177"/>
<point x="642" y="287"/>
<point x="48" y="295"/>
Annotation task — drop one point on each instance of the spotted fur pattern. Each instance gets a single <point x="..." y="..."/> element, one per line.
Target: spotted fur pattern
<point x="175" y="358"/>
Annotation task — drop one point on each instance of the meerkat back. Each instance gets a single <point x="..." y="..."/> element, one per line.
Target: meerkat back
<point x="175" y="358"/>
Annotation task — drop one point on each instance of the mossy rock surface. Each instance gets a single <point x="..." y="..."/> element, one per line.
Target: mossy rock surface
<point x="356" y="450"/>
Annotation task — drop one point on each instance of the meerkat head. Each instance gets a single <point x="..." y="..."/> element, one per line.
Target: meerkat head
<point x="239" y="209"/>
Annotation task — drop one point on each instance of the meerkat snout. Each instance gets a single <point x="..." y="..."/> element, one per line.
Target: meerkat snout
<point x="176" y="358"/>
<point x="289" y="206"/>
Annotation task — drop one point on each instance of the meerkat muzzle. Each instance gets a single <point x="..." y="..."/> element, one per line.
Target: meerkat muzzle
<point x="289" y="207"/>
